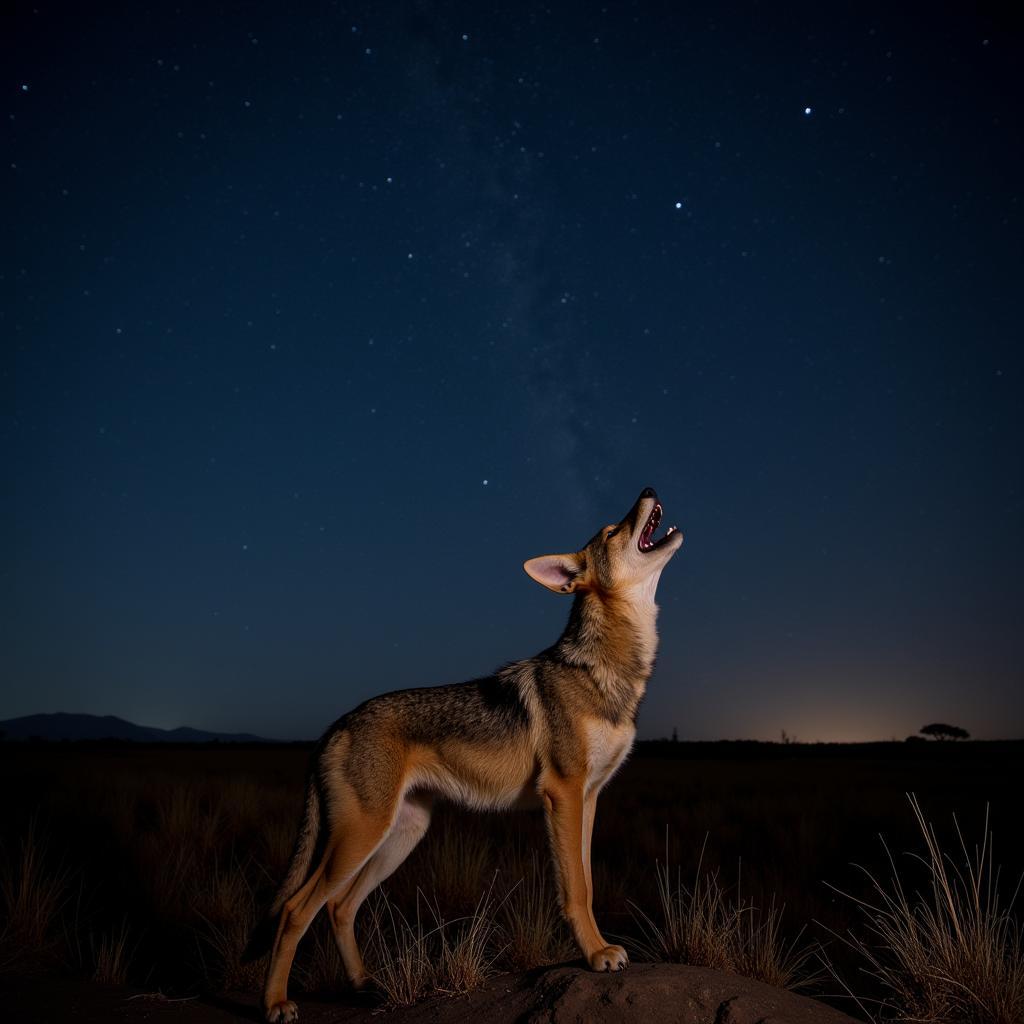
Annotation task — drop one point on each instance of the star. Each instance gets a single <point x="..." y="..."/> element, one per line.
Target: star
<point x="808" y="111"/>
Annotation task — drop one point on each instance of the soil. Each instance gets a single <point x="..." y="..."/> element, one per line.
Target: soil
<point x="645" y="994"/>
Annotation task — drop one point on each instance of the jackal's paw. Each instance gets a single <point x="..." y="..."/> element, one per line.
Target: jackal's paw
<point x="282" y="1013"/>
<point x="611" y="958"/>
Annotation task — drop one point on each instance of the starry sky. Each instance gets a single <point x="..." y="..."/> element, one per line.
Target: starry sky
<point x="317" y="323"/>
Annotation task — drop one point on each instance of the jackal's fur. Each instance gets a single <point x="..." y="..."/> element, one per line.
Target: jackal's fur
<point x="549" y="731"/>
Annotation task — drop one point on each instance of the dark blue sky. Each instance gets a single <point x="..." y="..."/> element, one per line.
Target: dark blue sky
<point x="316" y="325"/>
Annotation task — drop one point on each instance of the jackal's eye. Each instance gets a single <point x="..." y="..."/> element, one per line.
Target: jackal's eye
<point x="611" y="533"/>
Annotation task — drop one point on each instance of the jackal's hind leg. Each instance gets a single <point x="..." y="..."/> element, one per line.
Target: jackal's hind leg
<point x="409" y="828"/>
<point x="358" y="836"/>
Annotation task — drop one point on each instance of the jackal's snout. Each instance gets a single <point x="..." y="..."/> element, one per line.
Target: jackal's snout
<point x="645" y="518"/>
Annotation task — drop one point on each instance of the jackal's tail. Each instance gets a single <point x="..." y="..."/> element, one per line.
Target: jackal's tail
<point x="307" y="846"/>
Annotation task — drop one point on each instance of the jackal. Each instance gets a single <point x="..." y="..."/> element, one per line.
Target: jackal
<point x="549" y="731"/>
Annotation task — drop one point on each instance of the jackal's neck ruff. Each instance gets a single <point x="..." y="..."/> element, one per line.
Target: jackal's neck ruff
<point x="613" y="637"/>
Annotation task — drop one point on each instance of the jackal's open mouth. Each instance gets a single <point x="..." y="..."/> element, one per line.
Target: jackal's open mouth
<point x="647" y="541"/>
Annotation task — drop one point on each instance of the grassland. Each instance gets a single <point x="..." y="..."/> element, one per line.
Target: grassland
<point x="149" y="865"/>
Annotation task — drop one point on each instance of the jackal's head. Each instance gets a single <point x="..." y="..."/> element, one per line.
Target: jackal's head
<point x="620" y="558"/>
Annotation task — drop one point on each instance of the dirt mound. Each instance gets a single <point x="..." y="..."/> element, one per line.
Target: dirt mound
<point x="643" y="993"/>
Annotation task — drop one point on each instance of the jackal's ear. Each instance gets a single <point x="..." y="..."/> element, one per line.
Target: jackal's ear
<point x="560" y="573"/>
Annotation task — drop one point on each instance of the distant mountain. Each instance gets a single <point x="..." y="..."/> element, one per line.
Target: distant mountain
<point x="64" y="726"/>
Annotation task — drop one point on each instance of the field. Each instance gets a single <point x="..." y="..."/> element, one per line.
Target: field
<point x="146" y="866"/>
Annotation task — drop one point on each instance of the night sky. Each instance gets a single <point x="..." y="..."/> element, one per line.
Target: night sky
<point x="315" y="326"/>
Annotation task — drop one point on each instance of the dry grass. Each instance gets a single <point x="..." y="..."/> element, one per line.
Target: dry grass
<point x="704" y="926"/>
<point x="321" y="968"/>
<point x="948" y="953"/>
<point x="175" y="853"/>
<point x="762" y="951"/>
<point x="225" y="905"/>
<point x="409" y="960"/>
<point x="458" y="864"/>
<point x="395" y="951"/>
<point x="112" y="955"/>
<point x="531" y="923"/>
<point x="32" y="896"/>
<point x="466" y="950"/>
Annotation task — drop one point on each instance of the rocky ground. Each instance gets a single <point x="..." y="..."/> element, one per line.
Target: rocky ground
<point x="645" y="993"/>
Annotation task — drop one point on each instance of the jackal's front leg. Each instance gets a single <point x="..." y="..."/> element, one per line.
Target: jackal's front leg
<point x="566" y="820"/>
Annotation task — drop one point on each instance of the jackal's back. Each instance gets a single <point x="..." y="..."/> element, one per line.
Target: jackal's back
<point x="483" y="710"/>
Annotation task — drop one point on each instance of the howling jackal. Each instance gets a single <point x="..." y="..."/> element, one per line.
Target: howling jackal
<point x="549" y="731"/>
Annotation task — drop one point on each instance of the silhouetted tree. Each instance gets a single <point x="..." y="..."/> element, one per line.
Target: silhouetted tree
<point x="675" y="734"/>
<point x="941" y="731"/>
